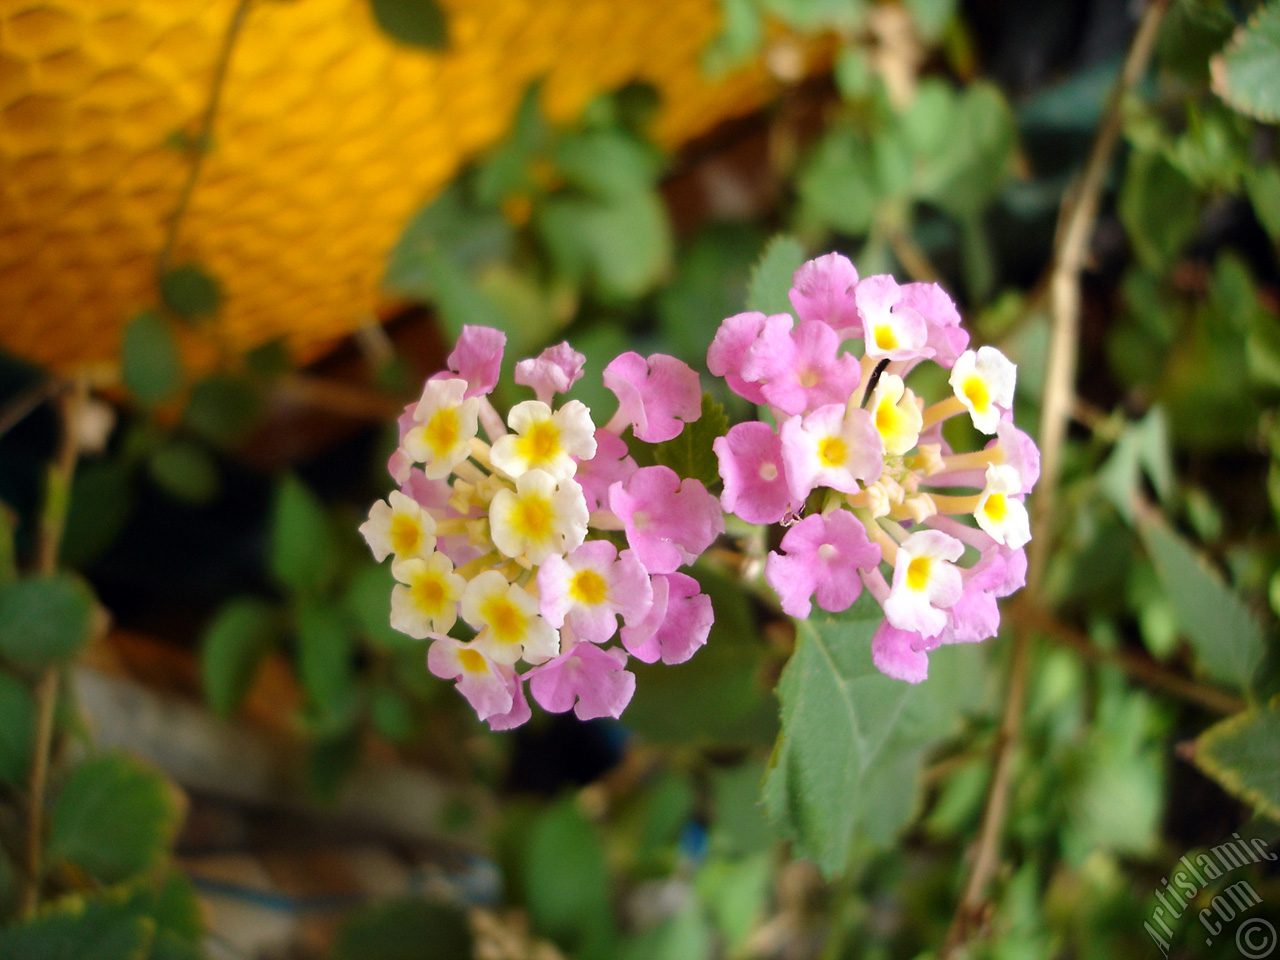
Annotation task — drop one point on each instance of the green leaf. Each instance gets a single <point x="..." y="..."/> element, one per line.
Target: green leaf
<point x="710" y="283"/>
<point x="1221" y="628"/>
<point x="149" y="360"/>
<point x="740" y="36"/>
<point x="17" y="730"/>
<point x="607" y="164"/>
<point x="392" y="713"/>
<point x="303" y="546"/>
<point x="689" y="454"/>
<point x="962" y="145"/>
<point x="566" y="882"/>
<point x="102" y="499"/>
<point x="407" y="929"/>
<point x="838" y="184"/>
<point x="45" y="620"/>
<point x="450" y="225"/>
<point x="619" y="247"/>
<point x="98" y="929"/>
<point x="931" y="17"/>
<point x="417" y="23"/>
<point x="767" y="290"/>
<point x="114" y="818"/>
<point x="1247" y="72"/>
<point x="1243" y="754"/>
<point x="237" y="640"/>
<point x="368" y="600"/>
<point x="1158" y="207"/>
<point x="325" y="651"/>
<point x="511" y="168"/>
<point x="845" y="766"/>
<point x="190" y="292"/>
<point x="224" y="409"/>
<point x="685" y="936"/>
<point x="185" y="471"/>
<point x="1263" y="185"/>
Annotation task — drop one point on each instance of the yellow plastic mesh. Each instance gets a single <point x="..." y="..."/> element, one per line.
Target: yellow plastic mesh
<point x="329" y="136"/>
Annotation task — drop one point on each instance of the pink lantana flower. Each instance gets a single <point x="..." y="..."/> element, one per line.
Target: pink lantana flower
<point x="477" y="358"/>
<point x="611" y="464"/>
<point x="831" y="447"/>
<point x="729" y="349"/>
<point x="677" y="624"/>
<point x="945" y="336"/>
<point x="591" y="681"/>
<point x="591" y="587"/>
<point x="657" y="396"/>
<point x="822" y="289"/>
<point x="485" y="684"/>
<point x="754" y="473"/>
<point x="892" y="330"/>
<point x="823" y="556"/>
<point x="668" y="522"/>
<point x="799" y="366"/>
<point x="553" y="371"/>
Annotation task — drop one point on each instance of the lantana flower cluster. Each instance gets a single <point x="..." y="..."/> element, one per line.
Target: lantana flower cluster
<point x="542" y="542"/>
<point x="855" y="464"/>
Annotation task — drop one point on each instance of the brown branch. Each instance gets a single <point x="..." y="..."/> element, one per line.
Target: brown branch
<point x="1138" y="667"/>
<point x="1079" y="215"/>
<point x="52" y="522"/>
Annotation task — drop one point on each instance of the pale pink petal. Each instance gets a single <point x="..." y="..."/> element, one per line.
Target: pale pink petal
<point x="755" y="478"/>
<point x="657" y="396"/>
<point x="729" y="349"/>
<point x="668" y="522"/>
<point x="822" y="289"/>
<point x="477" y="358"/>
<point x="553" y="371"/>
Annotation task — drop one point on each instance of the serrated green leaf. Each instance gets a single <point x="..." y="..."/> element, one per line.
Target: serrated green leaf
<point x="846" y="763"/>
<point x="838" y="184"/>
<point x="620" y="247"/>
<point x="1221" y="628"/>
<point x="771" y="277"/>
<point x="99" y="929"/>
<point x="1243" y="754"/>
<point x="566" y="882"/>
<point x="407" y="929"/>
<point x="190" y="292"/>
<point x="114" y="818"/>
<point x="689" y="454"/>
<point x="45" y="620"/>
<point x="149" y="360"/>
<point x="472" y="237"/>
<point x="224" y="409"/>
<point x="417" y="23"/>
<point x="233" y="647"/>
<point x="303" y="546"/>
<point x="17" y="730"/>
<point x="607" y="164"/>
<point x="1247" y="72"/>
<point x="184" y="470"/>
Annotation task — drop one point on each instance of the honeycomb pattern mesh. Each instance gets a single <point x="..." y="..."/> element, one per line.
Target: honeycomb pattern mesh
<point x="328" y="138"/>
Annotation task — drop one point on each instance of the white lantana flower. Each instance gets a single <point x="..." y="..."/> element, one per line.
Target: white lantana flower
<point x="542" y="439"/>
<point x="400" y="526"/>
<point x="445" y="424"/>
<point x="984" y="382"/>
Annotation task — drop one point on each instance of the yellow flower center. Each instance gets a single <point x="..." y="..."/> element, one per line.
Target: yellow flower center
<point x="808" y="378"/>
<point x="918" y="573"/>
<point x="428" y="593"/>
<point x="997" y="507"/>
<point x="832" y="451"/>
<point x="442" y="430"/>
<point x="588" y="587"/>
<point x="975" y="391"/>
<point x="532" y="517"/>
<point x="406" y="534"/>
<point x="885" y="338"/>
<point x="540" y="443"/>
<point x="504" y="619"/>
<point x="471" y="661"/>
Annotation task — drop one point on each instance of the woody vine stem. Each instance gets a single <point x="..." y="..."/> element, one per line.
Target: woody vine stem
<point x="1079" y="214"/>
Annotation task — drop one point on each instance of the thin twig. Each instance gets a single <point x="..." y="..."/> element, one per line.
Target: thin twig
<point x="912" y="257"/>
<point x="52" y="522"/>
<point x="204" y="137"/>
<point x="1079" y="215"/>
<point x="1135" y="665"/>
<point x="20" y="406"/>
